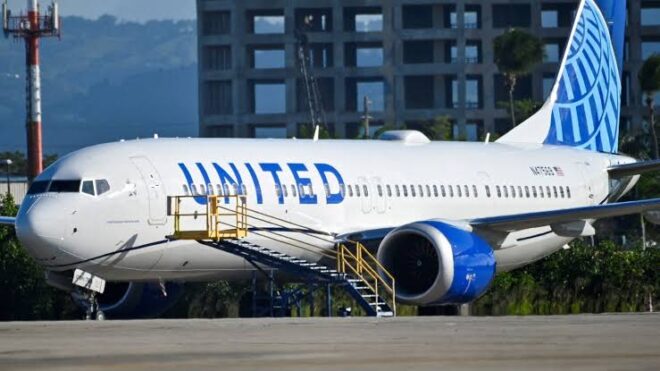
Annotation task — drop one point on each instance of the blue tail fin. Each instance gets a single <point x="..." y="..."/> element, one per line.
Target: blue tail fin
<point x="584" y="106"/>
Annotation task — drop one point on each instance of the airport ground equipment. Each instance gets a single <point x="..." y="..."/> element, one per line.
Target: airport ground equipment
<point x="355" y="269"/>
<point x="32" y="27"/>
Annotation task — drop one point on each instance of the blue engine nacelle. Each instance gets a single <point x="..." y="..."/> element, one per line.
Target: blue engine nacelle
<point x="436" y="263"/>
<point x="133" y="300"/>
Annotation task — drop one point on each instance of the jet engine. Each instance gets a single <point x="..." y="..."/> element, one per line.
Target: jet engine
<point x="436" y="263"/>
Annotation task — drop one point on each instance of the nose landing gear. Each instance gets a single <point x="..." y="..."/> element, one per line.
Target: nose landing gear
<point x="92" y="286"/>
<point x="93" y="309"/>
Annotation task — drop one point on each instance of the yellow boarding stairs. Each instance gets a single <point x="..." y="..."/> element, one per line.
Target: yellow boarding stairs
<point x="226" y="226"/>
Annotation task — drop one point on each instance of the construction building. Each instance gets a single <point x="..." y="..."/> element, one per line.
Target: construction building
<point x="415" y="60"/>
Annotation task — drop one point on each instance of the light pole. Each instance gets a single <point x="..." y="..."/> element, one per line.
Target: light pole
<point x="8" y="162"/>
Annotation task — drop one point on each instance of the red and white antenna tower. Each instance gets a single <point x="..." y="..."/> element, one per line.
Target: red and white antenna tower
<point x="31" y="27"/>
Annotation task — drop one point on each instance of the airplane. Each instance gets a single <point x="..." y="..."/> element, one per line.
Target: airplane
<point x="445" y="216"/>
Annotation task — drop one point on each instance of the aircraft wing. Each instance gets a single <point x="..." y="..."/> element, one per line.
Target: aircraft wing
<point x="5" y="220"/>
<point x="511" y="223"/>
<point x="620" y="171"/>
<point x="496" y="228"/>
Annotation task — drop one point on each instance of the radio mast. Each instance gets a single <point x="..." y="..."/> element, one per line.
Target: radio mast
<point x="31" y="27"/>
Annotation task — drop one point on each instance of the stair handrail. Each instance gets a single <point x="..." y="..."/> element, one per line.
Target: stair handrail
<point x="362" y="265"/>
<point x="212" y="215"/>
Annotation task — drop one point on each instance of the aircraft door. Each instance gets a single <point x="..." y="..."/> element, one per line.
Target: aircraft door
<point x="379" y="196"/>
<point x="157" y="198"/>
<point x="364" y="185"/>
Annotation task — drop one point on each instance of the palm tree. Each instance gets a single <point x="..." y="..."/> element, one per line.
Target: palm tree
<point x="649" y="80"/>
<point x="516" y="54"/>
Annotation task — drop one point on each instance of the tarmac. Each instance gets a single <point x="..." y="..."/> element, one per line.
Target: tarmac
<point x="579" y="342"/>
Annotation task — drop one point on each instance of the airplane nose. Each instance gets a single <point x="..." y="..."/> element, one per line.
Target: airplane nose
<point x="40" y="228"/>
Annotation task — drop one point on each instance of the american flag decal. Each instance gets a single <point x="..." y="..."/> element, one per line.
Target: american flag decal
<point x="558" y="171"/>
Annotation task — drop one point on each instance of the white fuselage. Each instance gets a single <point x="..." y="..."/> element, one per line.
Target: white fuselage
<point x="67" y="228"/>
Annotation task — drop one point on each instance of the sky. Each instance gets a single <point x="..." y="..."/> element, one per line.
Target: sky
<point x="127" y="10"/>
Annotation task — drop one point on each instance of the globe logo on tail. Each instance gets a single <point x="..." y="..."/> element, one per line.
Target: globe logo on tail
<point x="588" y="101"/>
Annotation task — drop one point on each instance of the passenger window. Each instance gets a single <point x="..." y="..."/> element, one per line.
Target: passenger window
<point x="534" y="191"/>
<point x="326" y="187"/>
<point x="202" y="189"/>
<point x="284" y="191"/>
<point x="554" y="188"/>
<point x="499" y="191"/>
<point x="568" y="192"/>
<point x="435" y="190"/>
<point x="193" y="189"/>
<point x="102" y="186"/>
<point x="474" y="191"/>
<point x="458" y="191"/>
<point x="541" y="192"/>
<point x="488" y="191"/>
<point x="350" y="191"/>
<point x="186" y="192"/>
<point x="243" y="189"/>
<point x="389" y="191"/>
<point x="88" y="187"/>
<point x="412" y="191"/>
<point x="520" y="192"/>
<point x="278" y="191"/>
<point x="342" y="190"/>
<point x="443" y="191"/>
<point x="366" y="190"/>
<point x="527" y="191"/>
<point x="294" y="191"/>
<point x="547" y="191"/>
<point x="506" y="191"/>
<point x="428" y="190"/>
<point x="398" y="190"/>
<point x="405" y="190"/>
<point x="512" y="189"/>
<point x="467" y="190"/>
<point x="451" y="191"/>
<point x="210" y="188"/>
<point x="421" y="190"/>
<point x="380" y="190"/>
<point x="561" y="191"/>
<point x="357" y="191"/>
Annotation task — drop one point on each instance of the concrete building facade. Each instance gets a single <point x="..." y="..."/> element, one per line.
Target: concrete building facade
<point x="416" y="60"/>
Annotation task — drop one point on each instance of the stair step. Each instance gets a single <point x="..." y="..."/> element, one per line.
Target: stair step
<point x="385" y="314"/>
<point x="377" y="304"/>
<point x="368" y="296"/>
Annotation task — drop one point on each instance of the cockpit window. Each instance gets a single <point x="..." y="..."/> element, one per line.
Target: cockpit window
<point x="102" y="186"/>
<point x="38" y="187"/>
<point x="64" y="186"/>
<point x="88" y="187"/>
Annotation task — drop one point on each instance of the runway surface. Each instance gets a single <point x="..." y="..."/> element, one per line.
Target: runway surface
<point x="584" y="342"/>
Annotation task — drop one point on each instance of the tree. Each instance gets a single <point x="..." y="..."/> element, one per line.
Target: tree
<point x="516" y="54"/>
<point x="649" y="80"/>
<point x="19" y="162"/>
<point x="523" y="108"/>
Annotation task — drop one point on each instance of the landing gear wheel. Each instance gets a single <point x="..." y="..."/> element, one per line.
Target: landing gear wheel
<point x="100" y="316"/>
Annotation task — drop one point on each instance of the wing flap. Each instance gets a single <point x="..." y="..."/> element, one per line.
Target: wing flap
<point x="511" y="223"/>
